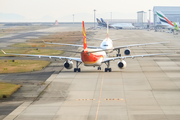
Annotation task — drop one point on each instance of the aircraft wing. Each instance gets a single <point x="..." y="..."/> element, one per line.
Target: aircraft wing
<point x="133" y="45"/>
<point x="98" y="50"/>
<point x="72" y="45"/>
<point x="117" y="39"/>
<point x="103" y="39"/>
<point x="46" y="56"/>
<point x="134" y="56"/>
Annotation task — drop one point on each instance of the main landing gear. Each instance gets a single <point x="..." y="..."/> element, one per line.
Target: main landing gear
<point x="107" y="69"/>
<point x="118" y="55"/>
<point x="99" y="68"/>
<point x="77" y="65"/>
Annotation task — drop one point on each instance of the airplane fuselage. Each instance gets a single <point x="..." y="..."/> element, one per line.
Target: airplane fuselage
<point x="123" y="25"/>
<point x="107" y="44"/>
<point x="92" y="59"/>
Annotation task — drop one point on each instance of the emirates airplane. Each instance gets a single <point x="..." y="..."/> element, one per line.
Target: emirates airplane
<point x="90" y="57"/>
<point x="107" y="45"/>
<point x="166" y="23"/>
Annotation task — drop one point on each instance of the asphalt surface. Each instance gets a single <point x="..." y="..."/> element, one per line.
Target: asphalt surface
<point x="148" y="89"/>
<point x="6" y="108"/>
<point x="7" y="40"/>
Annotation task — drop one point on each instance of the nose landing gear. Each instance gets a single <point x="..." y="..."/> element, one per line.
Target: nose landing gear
<point x="99" y="68"/>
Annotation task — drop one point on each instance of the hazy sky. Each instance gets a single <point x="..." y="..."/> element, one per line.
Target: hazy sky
<point x="36" y="10"/>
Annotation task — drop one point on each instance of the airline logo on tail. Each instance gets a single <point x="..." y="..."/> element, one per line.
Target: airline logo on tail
<point x="99" y="22"/>
<point x="163" y="18"/>
<point x="175" y="26"/>
<point x="103" y="21"/>
<point x="84" y="36"/>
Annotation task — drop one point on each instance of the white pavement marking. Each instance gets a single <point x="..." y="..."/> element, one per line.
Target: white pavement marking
<point x="100" y="96"/>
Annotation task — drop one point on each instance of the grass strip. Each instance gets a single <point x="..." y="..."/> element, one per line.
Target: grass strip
<point x="7" y="89"/>
<point x="32" y="51"/>
<point x="17" y="66"/>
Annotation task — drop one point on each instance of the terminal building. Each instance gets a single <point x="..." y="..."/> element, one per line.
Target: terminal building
<point x="141" y="19"/>
<point x="172" y="13"/>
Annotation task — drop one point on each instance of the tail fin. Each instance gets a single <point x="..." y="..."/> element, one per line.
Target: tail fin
<point x="175" y="26"/>
<point x="98" y="21"/>
<point x="163" y="18"/>
<point x="107" y="29"/>
<point x="102" y="20"/>
<point x="84" y="36"/>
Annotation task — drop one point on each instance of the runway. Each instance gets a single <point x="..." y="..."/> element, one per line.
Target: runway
<point x="148" y="89"/>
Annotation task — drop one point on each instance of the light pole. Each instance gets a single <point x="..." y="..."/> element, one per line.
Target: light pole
<point x="149" y="18"/>
<point x="73" y="18"/>
<point x="94" y="18"/>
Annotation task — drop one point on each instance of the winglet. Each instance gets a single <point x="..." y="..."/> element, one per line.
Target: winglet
<point x="84" y="36"/>
<point x="3" y="51"/>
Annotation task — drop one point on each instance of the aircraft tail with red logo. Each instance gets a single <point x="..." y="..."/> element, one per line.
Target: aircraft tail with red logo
<point x="84" y="36"/>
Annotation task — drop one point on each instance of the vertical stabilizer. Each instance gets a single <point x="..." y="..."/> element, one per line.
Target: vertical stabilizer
<point x="84" y="36"/>
<point x="103" y="21"/>
<point x="107" y="29"/>
<point x="98" y="21"/>
<point x="163" y="18"/>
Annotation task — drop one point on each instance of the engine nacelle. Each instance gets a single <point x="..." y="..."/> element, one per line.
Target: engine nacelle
<point x="127" y="52"/>
<point x="122" y="64"/>
<point x="68" y="64"/>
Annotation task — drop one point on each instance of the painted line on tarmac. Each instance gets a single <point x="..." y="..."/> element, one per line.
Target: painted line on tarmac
<point x="100" y="96"/>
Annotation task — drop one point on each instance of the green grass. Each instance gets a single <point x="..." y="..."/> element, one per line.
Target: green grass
<point x="2" y="35"/>
<point x="7" y="89"/>
<point x="33" y="45"/>
<point x="32" y="51"/>
<point x="45" y="52"/>
<point x="17" y="66"/>
<point x="21" y="45"/>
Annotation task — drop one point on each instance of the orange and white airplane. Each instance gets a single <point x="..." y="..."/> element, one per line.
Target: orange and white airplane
<point x="90" y="57"/>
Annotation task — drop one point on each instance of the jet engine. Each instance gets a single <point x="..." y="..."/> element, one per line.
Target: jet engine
<point x="127" y="51"/>
<point x="68" y="64"/>
<point x="122" y="64"/>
